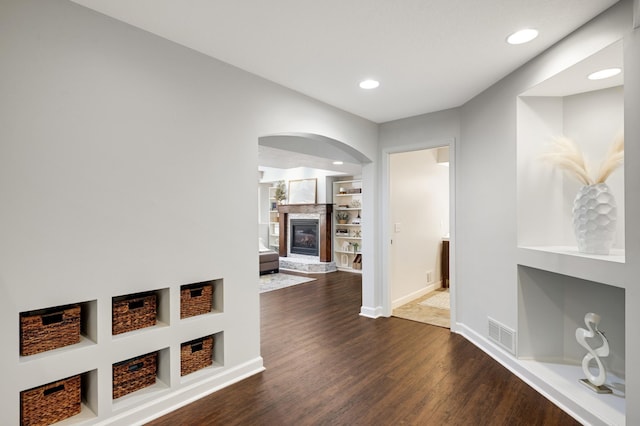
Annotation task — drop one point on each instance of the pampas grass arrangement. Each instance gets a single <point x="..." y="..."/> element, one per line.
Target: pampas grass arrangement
<point x="567" y="156"/>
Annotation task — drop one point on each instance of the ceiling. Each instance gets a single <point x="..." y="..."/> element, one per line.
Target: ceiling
<point x="428" y="55"/>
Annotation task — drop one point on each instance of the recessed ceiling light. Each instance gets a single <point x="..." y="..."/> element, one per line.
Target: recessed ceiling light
<point x="522" y="36"/>
<point x="369" y="84"/>
<point x="338" y="163"/>
<point x="599" y="75"/>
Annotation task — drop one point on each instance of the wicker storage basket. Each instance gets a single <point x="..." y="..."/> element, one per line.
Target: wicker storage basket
<point x="50" y="403"/>
<point x="134" y="374"/>
<point x="196" y="355"/>
<point x="49" y="329"/>
<point x="133" y="312"/>
<point x="195" y="299"/>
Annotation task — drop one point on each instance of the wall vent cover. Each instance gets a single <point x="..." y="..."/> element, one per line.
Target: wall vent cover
<point x="502" y="335"/>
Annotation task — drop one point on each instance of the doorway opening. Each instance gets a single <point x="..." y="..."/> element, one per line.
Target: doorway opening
<point x="419" y="212"/>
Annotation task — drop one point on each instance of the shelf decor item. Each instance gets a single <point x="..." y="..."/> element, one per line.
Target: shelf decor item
<point x="195" y="299"/>
<point x="134" y="374"/>
<point x="357" y="262"/>
<point x="49" y="329"/>
<point x="281" y="192"/>
<point x="303" y="191"/>
<point x="133" y="312"/>
<point x="593" y="382"/>
<point x="342" y="217"/>
<point x="594" y="208"/>
<point x="196" y="355"/>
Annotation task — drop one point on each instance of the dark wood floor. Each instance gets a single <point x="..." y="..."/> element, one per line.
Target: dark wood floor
<point x="326" y="365"/>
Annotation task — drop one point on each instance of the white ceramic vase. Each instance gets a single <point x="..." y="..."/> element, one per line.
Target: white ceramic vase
<point x="594" y="218"/>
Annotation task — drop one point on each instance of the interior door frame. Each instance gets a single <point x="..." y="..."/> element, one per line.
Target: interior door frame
<point x="386" y="225"/>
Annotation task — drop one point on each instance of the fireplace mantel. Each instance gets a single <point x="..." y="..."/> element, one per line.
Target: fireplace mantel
<point x="324" y="225"/>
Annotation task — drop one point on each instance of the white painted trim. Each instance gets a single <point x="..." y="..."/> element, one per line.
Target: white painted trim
<point x="409" y="297"/>
<point x="513" y="365"/>
<point x="368" y="312"/>
<point x="385" y="229"/>
<point x="159" y="407"/>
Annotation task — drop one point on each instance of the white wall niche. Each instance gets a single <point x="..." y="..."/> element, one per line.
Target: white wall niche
<point x="162" y="313"/>
<point x="550" y="308"/>
<point x="217" y="364"/>
<point x="88" y="333"/>
<point x="163" y="383"/>
<point x="217" y="298"/>
<point x="591" y="114"/>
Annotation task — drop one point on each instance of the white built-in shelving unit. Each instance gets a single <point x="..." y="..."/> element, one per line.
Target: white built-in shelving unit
<point x="274" y="221"/>
<point x="165" y="338"/>
<point x="557" y="285"/>
<point x="347" y="236"/>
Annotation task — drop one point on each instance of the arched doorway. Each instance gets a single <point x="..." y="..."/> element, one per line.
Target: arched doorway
<point x="302" y="155"/>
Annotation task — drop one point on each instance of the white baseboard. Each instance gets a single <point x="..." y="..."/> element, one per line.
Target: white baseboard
<point x="159" y="407"/>
<point x="412" y="296"/>
<point x="368" y="312"/>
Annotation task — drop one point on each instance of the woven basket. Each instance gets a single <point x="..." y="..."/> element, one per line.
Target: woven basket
<point x="195" y="299"/>
<point x="51" y="403"/>
<point x="133" y="312"/>
<point x="196" y="355"/>
<point x="49" y="329"/>
<point x="134" y="374"/>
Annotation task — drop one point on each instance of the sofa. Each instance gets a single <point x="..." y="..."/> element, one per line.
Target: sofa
<point x="269" y="260"/>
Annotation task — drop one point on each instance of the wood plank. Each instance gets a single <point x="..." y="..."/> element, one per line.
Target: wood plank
<point x="328" y="365"/>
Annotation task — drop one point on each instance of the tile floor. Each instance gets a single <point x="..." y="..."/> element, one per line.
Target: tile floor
<point x="416" y="312"/>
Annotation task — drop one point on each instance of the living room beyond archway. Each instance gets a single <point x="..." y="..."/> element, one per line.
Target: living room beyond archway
<point x="318" y="177"/>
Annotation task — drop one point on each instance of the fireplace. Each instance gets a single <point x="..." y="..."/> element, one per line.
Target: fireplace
<point x="316" y="212"/>
<point x="304" y="237"/>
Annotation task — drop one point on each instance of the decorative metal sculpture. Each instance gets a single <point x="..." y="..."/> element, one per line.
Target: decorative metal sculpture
<point x="593" y="382"/>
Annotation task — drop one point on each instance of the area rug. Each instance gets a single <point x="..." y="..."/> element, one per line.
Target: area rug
<point x="270" y="282"/>
<point x="440" y="300"/>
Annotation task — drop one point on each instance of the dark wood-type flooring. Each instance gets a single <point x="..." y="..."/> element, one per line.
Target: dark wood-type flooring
<point x="326" y="365"/>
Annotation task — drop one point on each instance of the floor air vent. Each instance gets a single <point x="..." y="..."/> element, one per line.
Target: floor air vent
<point x="502" y="335"/>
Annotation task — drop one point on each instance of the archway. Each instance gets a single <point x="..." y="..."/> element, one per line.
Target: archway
<point x="308" y="150"/>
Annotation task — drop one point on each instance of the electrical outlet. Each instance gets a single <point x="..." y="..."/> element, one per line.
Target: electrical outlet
<point x="429" y="277"/>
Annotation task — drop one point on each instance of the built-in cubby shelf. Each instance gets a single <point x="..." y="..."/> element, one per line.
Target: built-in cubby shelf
<point x="557" y="284"/>
<point x="217" y="299"/>
<point x="217" y="361"/>
<point x="162" y="384"/>
<point x="550" y="308"/>
<point x="97" y="342"/>
<point x="88" y="333"/>
<point x="591" y="113"/>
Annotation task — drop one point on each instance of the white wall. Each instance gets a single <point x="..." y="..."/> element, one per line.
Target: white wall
<point x="128" y="163"/>
<point x="419" y="201"/>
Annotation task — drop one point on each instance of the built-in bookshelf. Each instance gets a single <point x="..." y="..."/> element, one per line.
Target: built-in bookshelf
<point x="347" y="225"/>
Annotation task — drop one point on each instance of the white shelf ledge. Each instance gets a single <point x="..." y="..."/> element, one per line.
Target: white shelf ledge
<point x="567" y="260"/>
<point x="610" y="409"/>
